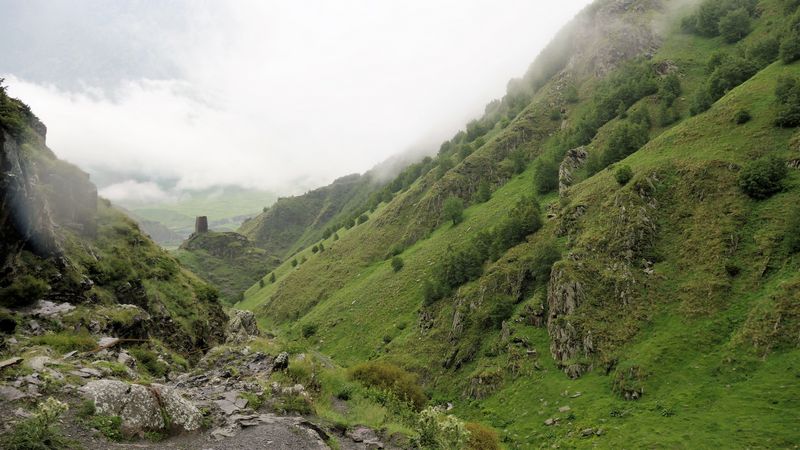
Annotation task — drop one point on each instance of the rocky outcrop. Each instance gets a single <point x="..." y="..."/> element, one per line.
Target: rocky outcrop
<point x="241" y="327"/>
<point x="143" y="408"/>
<point x="573" y="160"/>
<point x="568" y="345"/>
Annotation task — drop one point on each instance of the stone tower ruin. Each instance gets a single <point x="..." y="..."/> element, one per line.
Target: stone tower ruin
<point x="201" y="224"/>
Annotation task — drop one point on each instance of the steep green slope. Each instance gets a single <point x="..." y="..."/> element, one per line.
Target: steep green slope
<point x="671" y="319"/>
<point x="227" y="260"/>
<point x="61" y="243"/>
<point x="296" y="222"/>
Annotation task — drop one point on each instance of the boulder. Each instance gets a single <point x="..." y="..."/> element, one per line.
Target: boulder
<point x="143" y="408"/>
<point x="241" y="327"/>
<point x="281" y="361"/>
<point x="46" y="308"/>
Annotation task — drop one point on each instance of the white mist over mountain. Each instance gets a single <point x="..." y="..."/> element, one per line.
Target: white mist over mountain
<point x="280" y="96"/>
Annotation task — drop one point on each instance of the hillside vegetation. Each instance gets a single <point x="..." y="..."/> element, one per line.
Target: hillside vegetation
<point x="624" y="271"/>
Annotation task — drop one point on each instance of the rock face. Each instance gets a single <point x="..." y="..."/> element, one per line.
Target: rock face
<point x="573" y="160"/>
<point x="567" y="343"/>
<point x="241" y="327"/>
<point x="143" y="408"/>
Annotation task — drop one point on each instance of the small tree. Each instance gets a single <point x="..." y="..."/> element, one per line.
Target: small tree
<point x="545" y="175"/>
<point x="321" y="247"/>
<point x="484" y="193"/>
<point x="272" y="277"/>
<point x="742" y="117"/>
<point x="335" y="236"/>
<point x="623" y="174"/>
<point x="793" y="231"/>
<point x="453" y="209"/>
<point x="294" y="262"/>
<point x="735" y="25"/>
<point x="362" y="218"/>
<point x="397" y="263"/>
<point x="763" y="177"/>
<point x="314" y="249"/>
<point x="261" y="283"/>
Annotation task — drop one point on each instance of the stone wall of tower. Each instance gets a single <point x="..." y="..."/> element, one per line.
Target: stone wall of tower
<point x="201" y="224"/>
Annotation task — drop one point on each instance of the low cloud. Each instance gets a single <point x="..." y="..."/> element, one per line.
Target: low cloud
<point x="132" y="191"/>
<point x="275" y="96"/>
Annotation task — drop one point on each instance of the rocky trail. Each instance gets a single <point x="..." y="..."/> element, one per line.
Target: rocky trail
<point x="228" y="400"/>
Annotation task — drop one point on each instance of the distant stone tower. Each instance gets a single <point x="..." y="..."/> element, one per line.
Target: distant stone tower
<point x="201" y="224"/>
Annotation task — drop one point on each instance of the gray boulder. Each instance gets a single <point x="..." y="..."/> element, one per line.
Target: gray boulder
<point x="241" y="327"/>
<point x="142" y="408"/>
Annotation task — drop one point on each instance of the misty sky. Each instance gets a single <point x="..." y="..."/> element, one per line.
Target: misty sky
<point x="152" y="97"/>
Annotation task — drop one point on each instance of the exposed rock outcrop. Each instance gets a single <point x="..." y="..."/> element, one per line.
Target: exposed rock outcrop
<point x="241" y="327"/>
<point x="573" y="160"/>
<point x="567" y="344"/>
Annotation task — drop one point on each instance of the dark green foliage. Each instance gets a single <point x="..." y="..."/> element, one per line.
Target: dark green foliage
<point x="764" y="51"/>
<point x="308" y="330"/>
<point x="792" y="234"/>
<point x="545" y="175"/>
<point x="272" y="277"/>
<point x="670" y="89"/>
<point x="453" y="209"/>
<point x="149" y="361"/>
<point x="445" y="164"/>
<point x="362" y="218"/>
<point x="623" y="174"/>
<point x="459" y="266"/>
<point x="762" y="178"/>
<point x="624" y="139"/>
<point x="539" y="265"/>
<point x="387" y="376"/>
<point x="484" y="193"/>
<point x="734" y="25"/>
<point x="303" y="259"/>
<point x="787" y="92"/>
<point x="23" y="291"/>
<point x="622" y="110"/>
<point x="519" y="160"/>
<point x="627" y="85"/>
<point x="14" y="115"/>
<point x="335" y="236"/>
<point x="701" y="102"/>
<point x="321" y="247"/>
<point x="667" y="116"/>
<point x="261" y="283"/>
<point x="294" y="262"/>
<point x="571" y="93"/>
<point x="327" y="233"/>
<point x="555" y="115"/>
<point x="522" y="220"/>
<point x="432" y="290"/>
<point x="790" y="44"/>
<point x="733" y="71"/>
<point x="500" y="310"/>
<point x="314" y="249"/>
<point x="397" y="263"/>
<point x="741" y="117"/>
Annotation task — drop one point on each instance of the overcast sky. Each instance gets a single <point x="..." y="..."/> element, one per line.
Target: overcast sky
<point x="153" y="95"/>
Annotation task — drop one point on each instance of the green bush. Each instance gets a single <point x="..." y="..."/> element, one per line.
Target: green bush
<point x="23" y="291"/>
<point x="734" y="25"/>
<point x="362" y="218"/>
<point x="790" y="44"/>
<point x="397" y="263"/>
<point x="764" y="51"/>
<point x="787" y="92"/>
<point x="149" y="361"/>
<point x="453" y="209"/>
<point x="545" y="175"/>
<point x="314" y="249"/>
<point x="432" y="290"/>
<point x="484" y="193"/>
<point x="670" y="89"/>
<point x="387" y="376"/>
<point x="732" y="71"/>
<point x="272" y="277"/>
<point x="763" y="177"/>
<point x="792" y="233"/>
<point x="482" y="437"/>
<point x="741" y="117"/>
<point x="39" y="432"/>
<point x="623" y="174"/>
<point x="624" y="139"/>
<point x="441" y="431"/>
<point x="309" y="329"/>
<point x="294" y="262"/>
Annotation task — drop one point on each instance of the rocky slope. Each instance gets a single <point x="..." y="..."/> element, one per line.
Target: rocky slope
<point x="659" y="284"/>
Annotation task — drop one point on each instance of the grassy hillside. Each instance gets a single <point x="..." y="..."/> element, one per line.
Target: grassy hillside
<point x="671" y="316"/>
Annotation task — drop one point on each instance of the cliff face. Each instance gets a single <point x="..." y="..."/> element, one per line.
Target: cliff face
<point x="61" y="243"/>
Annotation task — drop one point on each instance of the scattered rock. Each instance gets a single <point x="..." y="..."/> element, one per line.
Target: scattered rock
<point x="366" y="436"/>
<point x="91" y="372"/>
<point x="231" y="402"/>
<point x="551" y="421"/>
<point x="241" y="327"/>
<point x="10" y="362"/>
<point x="281" y="361"/>
<point x="126" y="359"/>
<point x="10" y="394"/>
<point x="564" y="409"/>
<point x="37" y="363"/>
<point x="47" y="309"/>
<point x="107" y="342"/>
<point x="586" y="432"/>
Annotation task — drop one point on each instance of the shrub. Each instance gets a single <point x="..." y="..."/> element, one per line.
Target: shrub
<point x="624" y="139"/>
<point x="741" y="117"/>
<point x="309" y="329"/>
<point x="362" y="218"/>
<point x="787" y="92"/>
<point x="453" y="209"/>
<point x="387" y="376"/>
<point x="545" y="176"/>
<point x="23" y="291"/>
<point x="397" y="263"/>
<point x="793" y="231"/>
<point x="763" y="177"/>
<point x="790" y="44"/>
<point x="623" y="174"/>
<point x="261" y="283"/>
<point x="314" y="249"/>
<point x="40" y="432"/>
<point x="441" y="431"/>
<point x="482" y="437"/>
<point x="484" y="193"/>
<point x="294" y="403"/>
<point x="764" y="51"/>
<point x="500" y="309"/>
<point x="272" y="277"/>
<point x="335" y="236"/>
<point x="732" y="72"/>
<point x="294" y="262"/>
<point x="149" y="361"/>
<point x="734" y="25"/>
<point x="670" y="89"/>
<point x="431" y="291"/>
